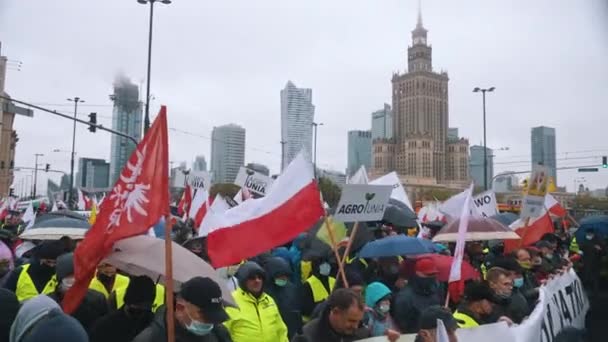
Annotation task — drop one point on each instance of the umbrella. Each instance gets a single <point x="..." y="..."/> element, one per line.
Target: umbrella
<point x="597" y="223"/>
<point x="58" y="214"/>
<point x="145" y="255"/>
<point x="479" y="229"/>
<point x="396" y="245"/>
<point x="444" y="265"/>
<point x="56" y="228"/>
<point x="399" y="214"/>
<point x="506" y="218"/>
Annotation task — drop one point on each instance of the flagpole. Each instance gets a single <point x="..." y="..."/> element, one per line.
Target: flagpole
<point x="169" y="281"/>
<point x="333" y="247"/>
<point x="349" y="244"/>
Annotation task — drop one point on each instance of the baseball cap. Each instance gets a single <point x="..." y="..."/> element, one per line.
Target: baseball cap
<point x="477" y="291"/>
<point x="207" y="296"/>
<point x="426" y="266"/>
<point x="428" y="318"/>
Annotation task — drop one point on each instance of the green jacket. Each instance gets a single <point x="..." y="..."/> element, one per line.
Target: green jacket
<point x="256" y="319"/>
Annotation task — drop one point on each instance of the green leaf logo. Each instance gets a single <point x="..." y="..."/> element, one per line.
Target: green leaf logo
<point x="369" y="196"/>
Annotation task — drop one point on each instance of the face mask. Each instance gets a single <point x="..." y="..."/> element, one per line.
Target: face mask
<point x="525" y="264"/>
<point x="104" y="278"/>
<point x="198" y="328"/>
<point x="46" y="267"/>
<point x="518" y="282"/>
<point x="280" y="282"/>
<point x="67" y="283"/>
<point x="549" y="256"/>
<point x="324" y="269"/>
<point x="426" y="283"/>
<point x="503" y="295"/>
<point x="589" y="237"/>
<point x="384" y="308"/>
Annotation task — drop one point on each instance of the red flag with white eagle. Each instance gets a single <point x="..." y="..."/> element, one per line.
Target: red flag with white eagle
<point x="137" y="201"/>
<point x="292" y="206"/>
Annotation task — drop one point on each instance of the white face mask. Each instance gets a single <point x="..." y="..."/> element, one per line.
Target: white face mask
<point x="324" y="269"/>
<point x="67" y="283"/>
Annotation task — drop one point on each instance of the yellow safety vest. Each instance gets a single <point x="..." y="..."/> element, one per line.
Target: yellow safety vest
<point x="159" y="297"/>
<point x="350" y="260"/>
<point x="484" y="271"/>
<point x="319" y="292"/>
<point x="305" y="270"/>
<point x="464" y="320"/>
<point x="26" y="288"/>
<point x="574" y="248"/>
<point x="120" y="282"/>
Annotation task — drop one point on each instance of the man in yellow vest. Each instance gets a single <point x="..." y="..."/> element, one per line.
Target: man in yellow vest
<point x="476" y="306"/>
<point x="117" y="298"/>
<point x="108" y="280"/>
<point x="37" y="277"/>
<point x="317" y="287"/>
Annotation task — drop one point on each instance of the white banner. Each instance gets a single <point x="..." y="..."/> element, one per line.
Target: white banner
<point x="362" y="202"/>
<point x="485" y="204"/>
<point x="256" y="182"/>
<point x="199" y="180"/>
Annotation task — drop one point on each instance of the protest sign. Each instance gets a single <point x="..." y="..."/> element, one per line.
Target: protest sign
<point x="254" y="181"/>
<point x="199" y="180"/>
<point x="485" y="204"/>
<point x="534" y="200"/>
<point x="362" y="202"/>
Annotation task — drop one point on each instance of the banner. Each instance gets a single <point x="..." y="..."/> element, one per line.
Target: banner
<point x="255" y="182"/>
<point x="534" y="201"/>
<point x="485" y="204"/>
<point x="199" y="180"/>
<point x="362" y="202"/>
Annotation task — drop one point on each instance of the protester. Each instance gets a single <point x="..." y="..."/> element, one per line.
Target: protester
<point x="421" y="292"/>
<point x="593" y="249"/>
<point x="476" y="307"/>
<point x="257" y="317"/>
<point x="199" y="315"/>
<point x="388" y="272"/>
<point x="132" y="318"/>
<point x="279" y="286"/>
<point x="551" y="261"/>
<point x="317" y="287"/>
<point x="355" y="283"/>
<point x="377" y="312"/>
<point x="38" y="276"/>
<point x="107" y="280"/>
<point x="9" y="306"/>
<point x="428" y="325"/>
<point x="227" y="274"/>
<point x="93" y="305"/>
<point x="510" y="302"/>
<point x="524" y="259"/>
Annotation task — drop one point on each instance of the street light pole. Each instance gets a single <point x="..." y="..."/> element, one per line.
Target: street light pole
<point x="151" y="22"/>
<point x="485" y="148"/>
<point x="76" y="100"/>
<point x="315" y="125"/>
<point x="36" y="173"/>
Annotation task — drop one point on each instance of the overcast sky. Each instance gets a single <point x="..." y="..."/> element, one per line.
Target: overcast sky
<point x="218" y="62"/>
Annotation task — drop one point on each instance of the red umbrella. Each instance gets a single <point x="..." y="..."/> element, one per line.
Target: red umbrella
<point x="444" y="264"/>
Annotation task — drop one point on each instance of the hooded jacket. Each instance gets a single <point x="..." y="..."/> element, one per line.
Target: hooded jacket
<point x="286" y="297"/>
<point x="30" y="313"/>
<point x="57" y="327"/>
<point x="411" y="301"/>
<point x="9" y="306"/>
<point x="319" y="329"/>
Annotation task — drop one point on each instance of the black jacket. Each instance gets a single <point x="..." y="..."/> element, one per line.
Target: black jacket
<point x="157" y="332"/>
<point x="515" y="307"/>
<point x="411" y="301"/>
<point x="92" y="308"/>
<point x="319" y="330"/>
<point x="119" y="327"/>
<point x="39" y="274"/>
<point x="286" y="297"/>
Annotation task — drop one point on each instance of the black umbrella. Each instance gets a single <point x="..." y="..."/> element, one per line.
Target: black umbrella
<point x="313" y="247"/>
<point x="63" y="222"/>
<point x="58" y="214"/>
<point x="398" y="214"/>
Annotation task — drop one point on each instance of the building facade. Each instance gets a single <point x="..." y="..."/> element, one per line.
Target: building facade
<point x="382" y="123"/>
<point x="543" y="149"/>
<point x="200" y="164"/>
<point x="421" y="151"/>
<point x="227" y="152"/>
<point x="297" y="116"/>
<point x="359" y="151"/>
<point x="336" y="177"/>
<point x="93" y="173"/>
<point x="126" y="118"/>
<point x="477" y="165"/>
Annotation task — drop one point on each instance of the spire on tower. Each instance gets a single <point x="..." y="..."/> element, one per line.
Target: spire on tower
<point x="419" y="23"/>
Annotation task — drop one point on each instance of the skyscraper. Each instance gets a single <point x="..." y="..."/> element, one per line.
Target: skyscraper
<point x="126" y="118"/>
<point x="200" y="164"/>
<point x="382" y="123"/>
<point x="359" y="151"/>
<point x="93" y="173"/>
<point x="543" y="149"/>
<point x="477" y="165"/>
<point x="227" y="152"/>
<point x="297" y="116"/>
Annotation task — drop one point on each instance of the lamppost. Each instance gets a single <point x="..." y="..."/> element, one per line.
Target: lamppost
<point x="36" y="173"/>
<point x="315" y="125"/>
<point x="76" y="100"/>
<point x="151" y="2"/>
<point x="485" y="148"/>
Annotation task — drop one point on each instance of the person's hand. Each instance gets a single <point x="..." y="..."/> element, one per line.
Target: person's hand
<point x="506" y="319"/>
<point x="392" y="335"/>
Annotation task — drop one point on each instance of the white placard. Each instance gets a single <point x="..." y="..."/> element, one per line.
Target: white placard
<point x="362" y="202"/>
<point x="532" y="206"/>
<point x="255" y="182"/>
<point x="485" y="204"/>
<point x="199" y="180"/>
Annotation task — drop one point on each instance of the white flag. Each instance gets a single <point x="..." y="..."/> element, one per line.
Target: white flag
<point x="462" y="232"/>
<point x="54" y="208"/>
<point x="81" y="202"/>
<point x="29" y="217"/>
<point x="218" y="207"/>
<point x="398" y="191"/>
<point x="442" y="333"/>
<point x="360" y="177"/>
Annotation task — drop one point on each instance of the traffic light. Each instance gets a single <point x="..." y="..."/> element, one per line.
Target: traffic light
<point x="47" y="167"/>
<point x="605" y="162"/>
<point x="93" y="122"/>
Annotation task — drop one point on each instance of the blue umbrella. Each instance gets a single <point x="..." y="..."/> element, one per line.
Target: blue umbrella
<point x="394" y="246"/>
<point x="597" y="223"/>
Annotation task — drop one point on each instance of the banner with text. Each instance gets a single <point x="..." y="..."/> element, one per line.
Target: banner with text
<point x="255" y="182"/>
<point x="485" y="204"/>
<point x="362" y="202"/>
<point x="199" y="180"/>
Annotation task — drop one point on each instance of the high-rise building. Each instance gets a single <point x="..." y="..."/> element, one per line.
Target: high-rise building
<point x="382" y="123"/>
<point x="453" y="134"/>
<point x="200" y="164"/>
<point x="227" y="152"/>
<point x="543" y="149"/>
<point x="477" y="165"/>
<point x="126" y="118"/>
<point x="297" y="116"/>
<point x="421" y="150"/>
<point x="93" y="173"/>
<point x="359" y="151"/>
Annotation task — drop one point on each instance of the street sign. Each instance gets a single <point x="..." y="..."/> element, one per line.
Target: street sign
<point x="588" y="169"/>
